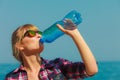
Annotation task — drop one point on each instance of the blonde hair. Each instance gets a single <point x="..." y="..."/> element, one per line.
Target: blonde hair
<point x="17" y="36"/>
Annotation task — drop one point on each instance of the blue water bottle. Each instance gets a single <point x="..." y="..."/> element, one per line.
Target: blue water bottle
<point x="53" y="32"/>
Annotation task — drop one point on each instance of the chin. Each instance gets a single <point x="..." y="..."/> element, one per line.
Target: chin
<point x="41" y="49"/>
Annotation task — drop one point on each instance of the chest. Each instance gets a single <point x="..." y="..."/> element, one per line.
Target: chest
<point x="32" y="77"/>
<point x="44" y="74"/>
<point x="51" y="74"/>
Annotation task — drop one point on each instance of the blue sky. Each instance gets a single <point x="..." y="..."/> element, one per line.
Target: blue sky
<point x="100" y="27"/>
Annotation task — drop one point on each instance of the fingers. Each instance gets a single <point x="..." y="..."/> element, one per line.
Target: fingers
<point x="69" y="25"/>
<point x="60" y="27"/>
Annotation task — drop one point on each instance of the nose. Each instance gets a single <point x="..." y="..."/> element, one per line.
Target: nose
<point x="38" y="35"/>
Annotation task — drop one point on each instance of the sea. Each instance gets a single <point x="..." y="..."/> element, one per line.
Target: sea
<point x="107" y="70"/>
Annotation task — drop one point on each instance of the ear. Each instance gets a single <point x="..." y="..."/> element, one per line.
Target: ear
<point x="19" y="46"/>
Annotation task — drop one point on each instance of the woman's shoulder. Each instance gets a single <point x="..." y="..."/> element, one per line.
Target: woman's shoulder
<point x="60" y="61"/>
<point x="10" y="74"/>
<point x="13" y="73"/>
<point x="56" y="60"/>
<point x="53" y="60"/>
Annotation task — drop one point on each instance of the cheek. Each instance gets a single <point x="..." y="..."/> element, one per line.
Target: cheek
<point x="31" y="44"/>
<point x="35" y="47"/>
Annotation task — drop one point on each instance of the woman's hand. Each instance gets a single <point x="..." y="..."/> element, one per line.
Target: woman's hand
<point x="69" y="27"/>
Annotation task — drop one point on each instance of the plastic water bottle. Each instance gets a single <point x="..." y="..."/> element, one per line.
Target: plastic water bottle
<point x="53" y="32"/>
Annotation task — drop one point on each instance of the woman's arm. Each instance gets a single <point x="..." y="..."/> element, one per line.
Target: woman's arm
<point x="84" y="50"/>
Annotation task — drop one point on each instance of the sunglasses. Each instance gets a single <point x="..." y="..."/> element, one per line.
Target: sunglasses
<point x="31" y="33"/>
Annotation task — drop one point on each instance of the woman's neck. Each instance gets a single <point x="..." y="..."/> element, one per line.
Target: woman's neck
<point x="32" y="63"/>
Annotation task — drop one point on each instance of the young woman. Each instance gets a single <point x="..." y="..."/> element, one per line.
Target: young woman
<point x="27" y="49"/>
